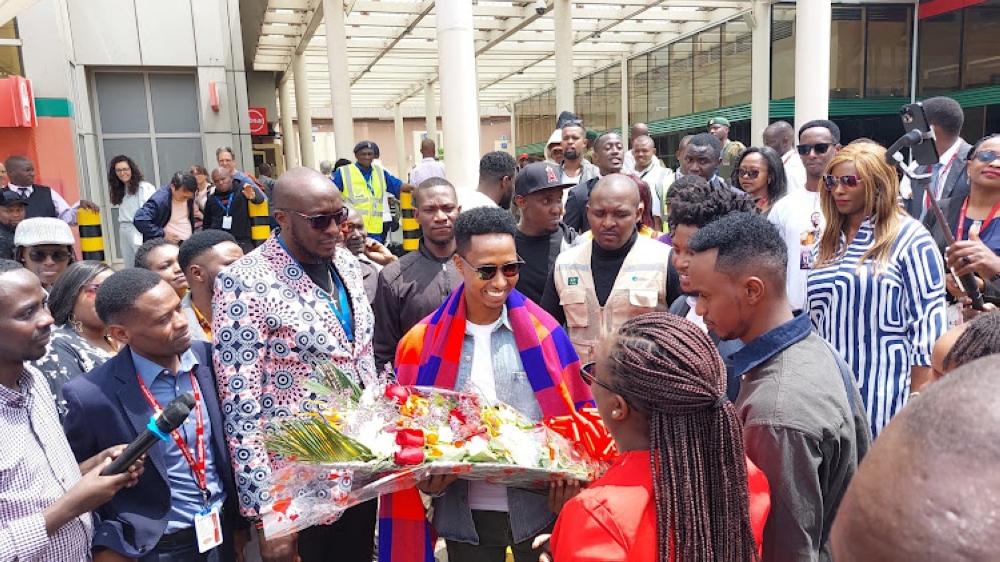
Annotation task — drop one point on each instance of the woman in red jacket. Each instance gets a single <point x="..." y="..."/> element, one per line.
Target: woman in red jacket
<point x="681" y="489"/>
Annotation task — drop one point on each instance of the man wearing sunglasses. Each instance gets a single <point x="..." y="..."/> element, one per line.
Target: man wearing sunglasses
<point x="596" y="286"/>
<point x="45" y="247"/>
<point x="296" y="301"/>
<point x="488" y="338"/>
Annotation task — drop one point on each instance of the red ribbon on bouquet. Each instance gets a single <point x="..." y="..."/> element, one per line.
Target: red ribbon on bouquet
<point x="585" y="429"/>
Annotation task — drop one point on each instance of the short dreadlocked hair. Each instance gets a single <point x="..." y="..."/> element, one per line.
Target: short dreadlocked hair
<point x="980" y="338"/>
<point x="668" y="367"/>
<point x="692" y="201"/>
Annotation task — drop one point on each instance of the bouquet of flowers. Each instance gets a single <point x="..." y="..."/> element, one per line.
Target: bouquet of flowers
<point x="359" y="443"/>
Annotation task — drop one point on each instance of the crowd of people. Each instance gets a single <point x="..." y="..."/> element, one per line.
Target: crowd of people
<point x="774" y="336"/>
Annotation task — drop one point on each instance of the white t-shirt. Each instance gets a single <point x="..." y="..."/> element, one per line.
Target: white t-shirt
<point x="484" y="496"/>
<point x="800" y="221"/>
<point x="795" y="170"/>
<point x="472" y="198"/>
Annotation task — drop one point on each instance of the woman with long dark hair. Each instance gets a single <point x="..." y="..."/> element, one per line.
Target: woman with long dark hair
<point x="681" y="489"/>
<point x="759" y="172"/>
<point x="876" y="292"/>
<point x="79" y="340"/>
<point x="129" y="191"/>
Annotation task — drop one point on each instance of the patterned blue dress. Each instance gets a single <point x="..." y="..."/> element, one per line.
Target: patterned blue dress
<point x="882" y="325"/>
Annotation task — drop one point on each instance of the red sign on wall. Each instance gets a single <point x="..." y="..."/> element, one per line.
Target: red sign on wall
<point x="17" y="104"/>
<point x="258" y="121"/>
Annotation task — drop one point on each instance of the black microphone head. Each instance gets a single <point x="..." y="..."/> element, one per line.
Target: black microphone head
<point x="175" y="413"/>
<point x="914" y="137"/>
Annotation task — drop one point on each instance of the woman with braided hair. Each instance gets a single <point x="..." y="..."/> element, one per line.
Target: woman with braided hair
<point x="681" y="490"/>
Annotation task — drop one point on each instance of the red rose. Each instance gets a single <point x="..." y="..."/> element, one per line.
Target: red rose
<point x="410" y="438"/>
<point x="398" y="393"/>
<point x="409" y="455"/>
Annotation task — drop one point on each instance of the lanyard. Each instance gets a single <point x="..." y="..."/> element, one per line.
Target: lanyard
<point x="342" y="308"/>
<point x="197" y="466"/>
<point x="982" y="228"/>
<point x="229" y="203"/>
<point x="942" y="174"/>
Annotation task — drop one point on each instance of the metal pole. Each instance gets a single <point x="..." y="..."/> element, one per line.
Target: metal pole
<point x="340" y="78"/>
<point x="400" y="143"/>
<point x="459" y="92"/>
<point x="307" y="155"/>
<point x="562" y="18"/>
<point x="812" y="60"/>
<point x="288" y="145"/>
<point x="430" y="112"/>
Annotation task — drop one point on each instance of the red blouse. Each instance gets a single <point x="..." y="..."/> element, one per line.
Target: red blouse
<point x="614" y="519"/>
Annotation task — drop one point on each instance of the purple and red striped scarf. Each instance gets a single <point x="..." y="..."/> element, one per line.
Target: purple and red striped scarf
<point x="429" y="355"/>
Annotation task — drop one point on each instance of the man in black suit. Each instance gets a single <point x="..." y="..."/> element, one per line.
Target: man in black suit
<point x="949" y="178"/>
<point x="176" y="509"/>
<point x="43" y="201"/>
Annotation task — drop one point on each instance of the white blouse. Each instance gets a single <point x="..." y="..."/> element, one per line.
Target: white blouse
<point x="132" y="202"/>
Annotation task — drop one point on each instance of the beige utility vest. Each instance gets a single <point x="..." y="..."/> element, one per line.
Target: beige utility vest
<point x="641" y="287"/>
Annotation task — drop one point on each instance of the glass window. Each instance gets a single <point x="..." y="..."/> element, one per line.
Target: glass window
<point x="175" y="103"/>
<point x="847" y="47"/>
<point x="940" y="54"/>
<point x="581" y="99"/>
<point x="613" y="96"/>
<point x="981" y="59"/>
<point x="782" y="52"/>
<point x="638" y="88"/>
<point x="707" y="69"/>
<point x="10" y="55"/>
<point x="681" y="77"/>
<point x="736" y="63"/>
<point x="598" y="116"/>
<point x="177" y="154"/>
<point x="658" y="104"/>
<point x="121" y="99"/>
<point x="887" y="73"/>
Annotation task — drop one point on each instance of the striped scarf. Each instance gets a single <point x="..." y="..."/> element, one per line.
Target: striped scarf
<point x="429" y="355"/>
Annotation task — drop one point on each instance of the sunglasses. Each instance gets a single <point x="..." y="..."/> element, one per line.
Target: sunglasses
<point x="588" y="376"/>
<point x="744" y="173"/>
<point x="831" y="182"/>
<point x="321" y="222"/>
<point x="986" y="156"/>
<point x="820" y="147"/>
<point x="90" y="289"/>
<point x="58" y="256"/>
<point x="488" y="272"/>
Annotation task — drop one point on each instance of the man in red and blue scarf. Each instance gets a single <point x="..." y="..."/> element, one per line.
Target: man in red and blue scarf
<point x="489" y="339"/>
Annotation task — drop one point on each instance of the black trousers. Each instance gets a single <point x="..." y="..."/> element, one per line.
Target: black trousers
<point x="350" y="539"/>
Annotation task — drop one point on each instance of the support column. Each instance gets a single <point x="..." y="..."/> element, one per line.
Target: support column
<point x="288" y="140"/>
<point x="459" y="92"/>
<point x="303" y="112"/>
<point x="562" y="18"/>
<point x="401" y="166"/>
<point x="812" y="60"/>
<point x="340" y="77"/>
<point x="760" y="71"/>
<point x="625" y="123"/>
<point x="430" y="111"/>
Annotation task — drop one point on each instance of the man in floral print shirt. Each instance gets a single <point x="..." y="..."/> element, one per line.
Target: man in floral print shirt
<point x="296" y="301"/>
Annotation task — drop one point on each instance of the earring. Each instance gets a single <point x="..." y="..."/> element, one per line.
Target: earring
<point x="616" y="413"/>
<point x="76" y="324"/>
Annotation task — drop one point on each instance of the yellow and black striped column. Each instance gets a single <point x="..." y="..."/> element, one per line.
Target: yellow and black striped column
<point x="260" y="223"/>
<point x="91" y="234"/>
<point x="411" y="230"/>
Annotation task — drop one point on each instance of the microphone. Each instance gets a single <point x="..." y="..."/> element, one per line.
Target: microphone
<point x="159" y="429"/>
<point x="912" y="138"/>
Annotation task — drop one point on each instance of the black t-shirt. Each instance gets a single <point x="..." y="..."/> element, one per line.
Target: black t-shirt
<point x="320" y="273"/>
<point x="536" y="252"/>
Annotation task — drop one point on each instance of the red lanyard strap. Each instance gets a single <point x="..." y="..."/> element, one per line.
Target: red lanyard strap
<point x="197" y="465"/>
<point x="961" y="219"/>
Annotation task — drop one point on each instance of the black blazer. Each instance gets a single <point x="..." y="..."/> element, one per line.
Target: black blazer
<point x="155" y="214"/>
<point x="106" y="408"/>
<point x="956" y="185"/>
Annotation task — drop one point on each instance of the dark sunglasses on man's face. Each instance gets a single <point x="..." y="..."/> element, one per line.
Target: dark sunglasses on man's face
<point x="488" y="272"/>
<point x="831" y="182"/>
<point x="744" y="173"/>
<point x="820" y="147"/>
<point x="986" y="156"/>
<point x="58" y="256"/>
<point x="321" y="222"/>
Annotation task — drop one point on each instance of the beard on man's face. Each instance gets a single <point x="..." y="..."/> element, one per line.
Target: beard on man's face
<point x="571" y="153"/>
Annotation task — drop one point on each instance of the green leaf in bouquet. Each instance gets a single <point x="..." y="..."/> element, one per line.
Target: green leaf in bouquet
<point x="333" y="379"/>
<point x="314" y="439"/>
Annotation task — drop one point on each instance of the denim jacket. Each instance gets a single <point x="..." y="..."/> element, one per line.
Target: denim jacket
<point x="529" y="512"/>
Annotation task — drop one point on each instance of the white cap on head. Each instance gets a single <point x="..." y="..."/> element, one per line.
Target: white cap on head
<point x="43" y="230"/>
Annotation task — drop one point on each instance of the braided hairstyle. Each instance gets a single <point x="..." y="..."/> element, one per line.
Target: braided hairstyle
<point x="980" y="338"/>
<point x="669" y="368"/>
<point x="646" y="198"/>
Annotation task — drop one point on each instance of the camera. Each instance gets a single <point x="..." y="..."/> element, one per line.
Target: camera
<point x="540" y="7"/>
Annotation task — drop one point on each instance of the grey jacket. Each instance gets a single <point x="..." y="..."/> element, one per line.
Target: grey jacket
<point x="805" y="427"/>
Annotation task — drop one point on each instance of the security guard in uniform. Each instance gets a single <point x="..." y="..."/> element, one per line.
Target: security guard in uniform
<point x="364" y="185"/>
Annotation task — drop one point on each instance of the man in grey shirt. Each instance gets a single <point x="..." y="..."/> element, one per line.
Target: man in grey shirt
<point x="804" y="422"/>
